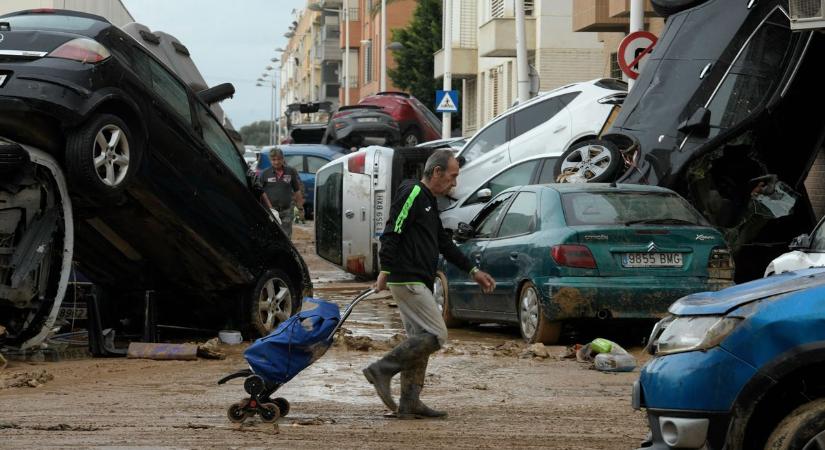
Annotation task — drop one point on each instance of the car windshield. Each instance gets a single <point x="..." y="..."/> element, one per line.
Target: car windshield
<point x="49" y="22"/>
<point x="435" y="122"/>
<point x="628" y="208"/>
<point x="818" y="239"/>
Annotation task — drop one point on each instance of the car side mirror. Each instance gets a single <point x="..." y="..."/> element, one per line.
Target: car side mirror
<point x="698" y="123"/>
<point x="484" y="195"/>
<point x="463" y="232"/>
<point x="217" y="93"/>
<point x="801" y="242"/>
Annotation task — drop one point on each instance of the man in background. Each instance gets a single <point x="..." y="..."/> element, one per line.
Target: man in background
<point x="282" y="189"/>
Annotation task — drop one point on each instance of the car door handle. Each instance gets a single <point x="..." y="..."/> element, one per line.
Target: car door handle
<point x="349" y="213"/>
<point x="513" y="255"/>
<point x="497" y="160"/>
<point x="559" y="129"/>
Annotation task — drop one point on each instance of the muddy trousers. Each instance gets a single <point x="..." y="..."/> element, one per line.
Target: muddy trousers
<point x="426" y="332"/>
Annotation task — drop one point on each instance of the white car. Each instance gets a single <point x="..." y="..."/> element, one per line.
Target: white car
<point x="806" y="252"/>
<point x="548" y="124"/>
<point x="533" y="170"/>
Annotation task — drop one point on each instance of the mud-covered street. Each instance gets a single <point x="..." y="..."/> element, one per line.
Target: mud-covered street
<point x="497" y="393"/>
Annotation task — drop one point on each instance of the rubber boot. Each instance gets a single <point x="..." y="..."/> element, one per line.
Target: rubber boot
<point x="403" y="357"/>
<point x="410" y="405"/>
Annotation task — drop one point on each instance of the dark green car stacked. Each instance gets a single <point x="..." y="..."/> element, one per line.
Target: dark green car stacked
<point x="567" y="252"/>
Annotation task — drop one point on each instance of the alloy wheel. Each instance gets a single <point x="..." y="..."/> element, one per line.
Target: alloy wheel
<point x="111" y="155"/>
<point x="274" y="303"/>
<point x="438" y="293"/>
<point x="529" y="312"/>
<point x="586" y="163"/>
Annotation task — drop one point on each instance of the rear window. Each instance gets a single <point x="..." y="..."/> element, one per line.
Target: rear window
<point x="628" y="208"/>
<point x="50" y="22"/>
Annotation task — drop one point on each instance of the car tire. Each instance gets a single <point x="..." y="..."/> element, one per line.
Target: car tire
<point x="102" y="157"/>
<point x="591" y="161"/>
<point x="533" y="323"/>
<point x="666" y="8"/>
<point x="801" y="427"/>
<point x="411" y="137"/>
<point x="442" y="299"/>
<point x="272" y="300"/>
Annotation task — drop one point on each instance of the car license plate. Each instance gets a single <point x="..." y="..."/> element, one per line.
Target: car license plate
<point x="652" y="260"/>
<point x="2" y="79"/>
<point x="368" y="119"/>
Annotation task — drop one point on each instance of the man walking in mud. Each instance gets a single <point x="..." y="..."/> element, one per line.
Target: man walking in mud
<point x="412" y="240"/>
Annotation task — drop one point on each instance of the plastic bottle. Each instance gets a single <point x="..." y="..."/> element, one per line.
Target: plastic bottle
<point x="615" y="362"/>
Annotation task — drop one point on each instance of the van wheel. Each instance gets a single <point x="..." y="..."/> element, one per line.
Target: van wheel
<point x="533" y="323"/>
<point x="801" y="429"/>
<point x="666" y="8"/>
<point x="593" y="161"/>
<point x="101" y="156"/>
<point x="442" y="299"/>
<point x="271" y="301"/>
<point x="411" y="138"/>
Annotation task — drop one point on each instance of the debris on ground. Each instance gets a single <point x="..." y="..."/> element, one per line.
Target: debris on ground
<point x="26" y="379"/>
<point x="537" y="350"/>
<point x="64" y="427"/>
<point x="570" y="351"/>
<point x="366" y="343"/>
<point x="480" y="387"/>
<point x="211" y="349"/>
<point x="509" y="348"/>
<point x="314" y="421"/>
<point x="9" y="425"/>
<point x="162" y="351"/>
<point x="606" y="356"/>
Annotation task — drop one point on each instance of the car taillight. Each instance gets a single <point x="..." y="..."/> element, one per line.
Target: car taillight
<point x="340" y="125"/>
<point x="356" y="162"/>
<point x="81" y="49"/>
<point x="573" y="256"/>
<point x="720" y="259"/>
<point x="720" y="264"/>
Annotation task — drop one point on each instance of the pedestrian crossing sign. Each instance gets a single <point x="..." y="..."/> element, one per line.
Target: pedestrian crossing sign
<point x="446" y="101"/>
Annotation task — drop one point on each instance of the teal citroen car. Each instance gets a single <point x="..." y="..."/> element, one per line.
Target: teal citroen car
<point x="564" y="253"/>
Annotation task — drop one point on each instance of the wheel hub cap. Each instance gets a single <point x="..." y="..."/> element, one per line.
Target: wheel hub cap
<point x="274" y="303"/>
<point x="111" y="155"/>
<point x="529" y="312"/>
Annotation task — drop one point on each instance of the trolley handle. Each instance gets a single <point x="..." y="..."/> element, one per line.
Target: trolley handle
<point x="348" y="310"/>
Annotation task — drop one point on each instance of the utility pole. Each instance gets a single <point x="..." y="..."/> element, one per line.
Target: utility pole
<point x="383" y="81"/>
<point x="637" y="23"/>
<point x="346" y="53"/>
<point x="446" y="118"/>
<point x="521" y="55"/>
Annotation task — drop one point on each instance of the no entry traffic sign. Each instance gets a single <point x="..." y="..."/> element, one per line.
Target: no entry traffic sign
<point x="633" y="51"/>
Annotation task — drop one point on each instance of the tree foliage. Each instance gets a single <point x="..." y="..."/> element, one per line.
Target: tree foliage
<point x="414" y="63"/>
<point x="256" y="133"/>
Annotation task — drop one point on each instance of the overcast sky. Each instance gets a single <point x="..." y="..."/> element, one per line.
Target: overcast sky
<point x="230" y="41"/>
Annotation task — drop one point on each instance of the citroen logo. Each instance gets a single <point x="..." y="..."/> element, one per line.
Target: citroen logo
<point x="652" y="248"/>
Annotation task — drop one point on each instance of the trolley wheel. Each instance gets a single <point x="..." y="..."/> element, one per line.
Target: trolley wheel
<point x="236" y="413"/>
<point x="269" y="412"/>
<point x="283" y="405"/>
<point x="254" y="385"/>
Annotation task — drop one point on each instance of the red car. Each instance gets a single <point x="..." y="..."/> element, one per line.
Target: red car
<point x="417" y="123"/>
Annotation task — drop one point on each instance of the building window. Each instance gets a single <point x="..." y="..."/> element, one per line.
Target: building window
<point x="368" y="62"/>
<point x="470" y="107"/>
<point x="615" y="70"/>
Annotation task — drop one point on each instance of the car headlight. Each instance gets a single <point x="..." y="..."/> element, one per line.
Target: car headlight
<point x="689" y="333"/>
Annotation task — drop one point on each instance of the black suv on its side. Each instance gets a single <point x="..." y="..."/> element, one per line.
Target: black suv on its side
<point x="109" y="159"/>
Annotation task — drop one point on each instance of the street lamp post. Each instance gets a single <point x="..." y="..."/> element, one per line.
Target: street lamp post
<point x="383" y="81"/>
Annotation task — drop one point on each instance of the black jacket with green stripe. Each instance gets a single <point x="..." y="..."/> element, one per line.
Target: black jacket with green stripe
<point x="413" y="238"/>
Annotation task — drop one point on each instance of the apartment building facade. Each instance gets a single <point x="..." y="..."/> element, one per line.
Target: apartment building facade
<point x="483" y="49"/>
<point x="311" y="60"/>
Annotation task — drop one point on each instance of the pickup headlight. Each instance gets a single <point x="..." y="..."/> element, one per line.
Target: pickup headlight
<point x="689" y="333"/>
